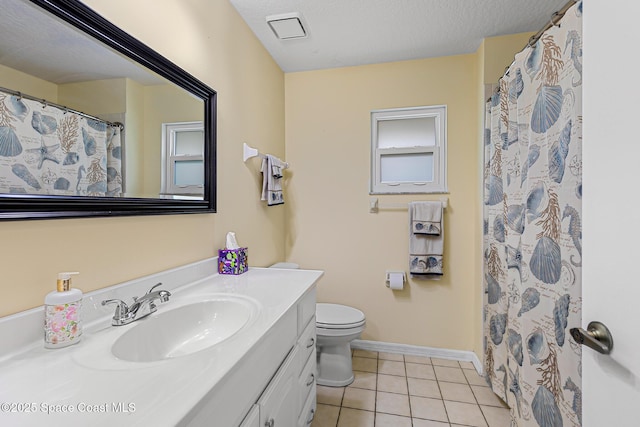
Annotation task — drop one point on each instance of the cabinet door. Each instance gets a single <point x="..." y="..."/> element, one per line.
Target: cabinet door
<point x="279" y="405"/>
<point x="253" y="418"/>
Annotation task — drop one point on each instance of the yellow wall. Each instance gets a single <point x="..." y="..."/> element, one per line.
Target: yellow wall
<point x="178" y="106"/>
<point x="96" y="97"/>
<point x="25" y="83"/>
<point x="210" y="40"/>
<point x="328" y="224"/>
<point x="134" y="137"/>
<point x="328" y="220"/>
<point x="498" y="54"/>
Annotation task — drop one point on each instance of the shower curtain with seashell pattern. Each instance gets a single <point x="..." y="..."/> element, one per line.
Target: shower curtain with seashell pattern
<point x="532" y="230"/>
<point x="47" y="150"/>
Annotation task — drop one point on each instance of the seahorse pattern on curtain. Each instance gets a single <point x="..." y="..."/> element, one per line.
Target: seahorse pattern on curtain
<point x="532" y="230"/>
<point x="47" y="150"/>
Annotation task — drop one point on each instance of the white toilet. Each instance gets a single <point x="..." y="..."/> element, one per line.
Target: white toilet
<point x="336" y="326"/>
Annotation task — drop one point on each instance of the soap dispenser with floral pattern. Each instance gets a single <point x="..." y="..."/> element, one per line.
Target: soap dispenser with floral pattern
<point x="62" y="323"/>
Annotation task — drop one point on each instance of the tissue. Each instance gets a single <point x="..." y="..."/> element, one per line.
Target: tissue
<point x="232" y="243"/>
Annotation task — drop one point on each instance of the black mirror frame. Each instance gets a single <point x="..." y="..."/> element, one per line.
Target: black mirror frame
<point x="23" y="206"/>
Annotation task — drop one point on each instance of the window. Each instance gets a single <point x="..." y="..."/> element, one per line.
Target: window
<point x="183" y="158"/>
<point x="409" y="150"/>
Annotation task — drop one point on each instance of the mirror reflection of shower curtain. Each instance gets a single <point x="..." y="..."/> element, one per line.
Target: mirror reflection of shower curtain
<point x="532" y="230"/>
<point x="48" y="150"/>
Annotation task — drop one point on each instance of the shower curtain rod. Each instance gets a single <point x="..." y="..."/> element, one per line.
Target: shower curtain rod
<point x="555" y="19"/>
<point x="21" y="95"/>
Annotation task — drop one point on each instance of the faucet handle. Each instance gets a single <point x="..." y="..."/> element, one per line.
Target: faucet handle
<point x="121" y="304"/>
<point x="153" y="287"/>
<point x="122" y="314"/>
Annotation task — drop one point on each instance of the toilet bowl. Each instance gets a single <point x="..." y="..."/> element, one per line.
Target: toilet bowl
<point x="336" y="326"/>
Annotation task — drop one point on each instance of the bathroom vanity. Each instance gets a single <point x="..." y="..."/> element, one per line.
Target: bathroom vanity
<point x="254" y="367"/>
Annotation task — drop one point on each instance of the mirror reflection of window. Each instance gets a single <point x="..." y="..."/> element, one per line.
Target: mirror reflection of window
<point x="183" y="159"/>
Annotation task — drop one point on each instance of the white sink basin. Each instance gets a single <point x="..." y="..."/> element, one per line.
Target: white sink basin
<point x="185" y="329"/>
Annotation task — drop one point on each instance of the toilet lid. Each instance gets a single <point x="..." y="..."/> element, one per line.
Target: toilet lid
<point x="338" y="316"/>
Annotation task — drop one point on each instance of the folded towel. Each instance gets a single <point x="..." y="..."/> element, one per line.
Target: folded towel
<point x="271" y="180"/>
<point x="425" y="250"/>
<point x="427" y="218"/>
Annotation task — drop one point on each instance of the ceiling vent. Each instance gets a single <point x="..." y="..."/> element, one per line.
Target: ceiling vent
<point x="287" y="26"/>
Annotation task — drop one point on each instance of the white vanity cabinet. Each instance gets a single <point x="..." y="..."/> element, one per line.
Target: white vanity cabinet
<point x="306" y="345"/>
<point x="253" y="417"/>
<point x="279" y="402"/>
<point x="262" y="376"/>
<point x="289" y="400"/>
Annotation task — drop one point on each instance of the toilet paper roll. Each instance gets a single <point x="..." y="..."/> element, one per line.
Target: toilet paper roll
<point x="396" y="281"/>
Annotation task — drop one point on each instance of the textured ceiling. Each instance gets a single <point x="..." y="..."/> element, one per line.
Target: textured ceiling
<point x="34" y="42"/>
<point x="356" y="32"/>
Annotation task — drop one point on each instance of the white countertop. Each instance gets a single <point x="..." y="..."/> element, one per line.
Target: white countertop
<point x="85" y="384"/>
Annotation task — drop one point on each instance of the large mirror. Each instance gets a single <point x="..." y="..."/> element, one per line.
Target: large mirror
<point x="95" y="123"/>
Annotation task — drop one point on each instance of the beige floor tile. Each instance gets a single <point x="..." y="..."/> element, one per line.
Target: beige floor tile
<point x="325" y="416"/>
<point x="387" y="420"/>
<point x="428" y="409"/>
<point x="364" y="380"/>
<point x="467" y="365"/>
<point x="417" y="422"/>
<point x="366" y="353"/>
<point x="364" y="364"/>
<point x="474" y="378"/>
<point x="391" y="367"/>
<point x="424" y="388"/>
<point x="417" y="359"/>
<point x="330" y="395"/>
<point x="392" y="384"/>
<point x="445" y="362"/>
<point x="496" y="417"/>
<point x="391" y="356"/>
<point x="392" y="403"/>
<point x="457" y="392"/>
<point x="452" y="375"/>
<point x="486" y="396"/>
<point x="355" y="418"/>
<point x="467" y="414"/>
<point x="417" y="370"/>
<point x="358" y="398"/>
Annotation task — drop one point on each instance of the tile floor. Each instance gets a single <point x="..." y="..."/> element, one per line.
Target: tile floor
<point x="395" y="390"/>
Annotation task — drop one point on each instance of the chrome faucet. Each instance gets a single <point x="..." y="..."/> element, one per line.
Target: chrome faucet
<point x="125" y="314"/>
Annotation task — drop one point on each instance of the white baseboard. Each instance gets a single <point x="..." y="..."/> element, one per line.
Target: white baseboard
<point x="416" y="350"/>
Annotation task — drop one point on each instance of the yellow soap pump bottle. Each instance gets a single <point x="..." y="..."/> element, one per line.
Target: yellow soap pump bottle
<point x="62" y="323"/>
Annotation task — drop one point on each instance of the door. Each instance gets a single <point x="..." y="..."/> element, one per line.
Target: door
<point x="611" y="210"/>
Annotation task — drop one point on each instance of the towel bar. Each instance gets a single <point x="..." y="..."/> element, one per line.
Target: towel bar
<point x="374" y="206"/>
<point x="249" y="152"/>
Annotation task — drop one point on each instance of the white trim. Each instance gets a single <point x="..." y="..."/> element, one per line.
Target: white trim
<point x="416" y="350"/>
<point x="170" y="159"/>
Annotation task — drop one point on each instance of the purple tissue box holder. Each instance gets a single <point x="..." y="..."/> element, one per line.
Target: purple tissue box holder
<point x="232" y="261"/>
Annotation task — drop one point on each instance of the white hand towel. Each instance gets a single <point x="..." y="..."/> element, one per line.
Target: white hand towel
<point x="427" y="218"/>
<point x="425" y="250"/>
<point x="271" y="180"/>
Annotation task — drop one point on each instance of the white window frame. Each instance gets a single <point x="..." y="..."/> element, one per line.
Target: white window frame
<point x="439" y="151"/>
<point x="170" y="159"/>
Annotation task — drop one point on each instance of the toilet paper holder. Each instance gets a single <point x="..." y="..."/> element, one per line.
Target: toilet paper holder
<point x="391" y="273"/>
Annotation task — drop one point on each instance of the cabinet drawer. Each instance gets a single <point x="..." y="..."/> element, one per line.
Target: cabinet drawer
<point x="307" y="379"/>
<point x="309" y="410"/>
<point x="306" y="309"/>
<point x="307" y="343"/>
